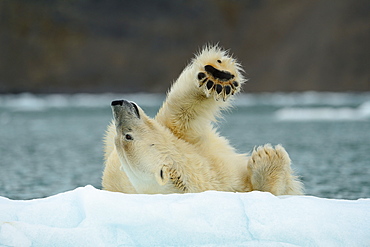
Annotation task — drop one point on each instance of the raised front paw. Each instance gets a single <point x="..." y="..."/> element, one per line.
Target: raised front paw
<point x="218" y="74"/>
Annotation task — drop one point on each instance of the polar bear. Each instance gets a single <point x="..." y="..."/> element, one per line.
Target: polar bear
<point x="180" y="150"/>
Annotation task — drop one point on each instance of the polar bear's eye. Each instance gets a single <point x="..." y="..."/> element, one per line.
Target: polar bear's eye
<point x="129" y="137"/>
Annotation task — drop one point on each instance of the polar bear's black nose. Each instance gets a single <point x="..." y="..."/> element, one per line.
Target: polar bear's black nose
<point x="117" y="102"/>
<point x="127" y="106"/>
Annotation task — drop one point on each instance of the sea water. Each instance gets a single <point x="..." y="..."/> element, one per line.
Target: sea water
<point x="54" y="143"/>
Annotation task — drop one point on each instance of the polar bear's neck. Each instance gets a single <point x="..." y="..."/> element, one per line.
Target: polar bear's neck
<point x="145" y="183"/>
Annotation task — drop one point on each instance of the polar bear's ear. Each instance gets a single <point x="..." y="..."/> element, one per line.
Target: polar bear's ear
<point x="163" y="175"/>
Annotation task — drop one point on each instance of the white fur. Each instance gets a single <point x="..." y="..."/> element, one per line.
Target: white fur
<point x="181" y="151"/>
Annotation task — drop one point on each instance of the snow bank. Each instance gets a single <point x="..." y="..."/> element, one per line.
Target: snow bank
<point x="90" y="217"/>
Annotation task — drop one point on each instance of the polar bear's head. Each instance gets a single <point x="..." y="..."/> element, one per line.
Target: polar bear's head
<point x="144" y="148"/>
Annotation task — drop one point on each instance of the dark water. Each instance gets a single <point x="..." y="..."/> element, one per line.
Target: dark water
<point x="51" y="144"/>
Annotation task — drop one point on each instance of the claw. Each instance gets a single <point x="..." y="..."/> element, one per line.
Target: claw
<point x="226" y="96"/>
<point x="202" y="82"/>
<point x="227" y="90"/>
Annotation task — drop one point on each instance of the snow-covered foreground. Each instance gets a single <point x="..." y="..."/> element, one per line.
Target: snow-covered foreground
<point x="90" y="217"/>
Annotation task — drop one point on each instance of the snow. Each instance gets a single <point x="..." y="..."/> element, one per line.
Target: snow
<point x="90" y="217"/>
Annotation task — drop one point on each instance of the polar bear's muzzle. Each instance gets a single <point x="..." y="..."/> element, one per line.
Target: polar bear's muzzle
<point x="123" y="105"/>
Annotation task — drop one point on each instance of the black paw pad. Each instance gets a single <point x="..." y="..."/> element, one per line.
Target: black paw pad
<point x="235" y="83"/>
<point x="201" y="75"/>
<point x="218" y="74"/>
<point x="218" y="88"/>
<point x="210" y="84"/>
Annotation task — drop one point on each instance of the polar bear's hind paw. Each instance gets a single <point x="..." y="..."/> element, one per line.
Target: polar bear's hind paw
<point x="219" y="83"/>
